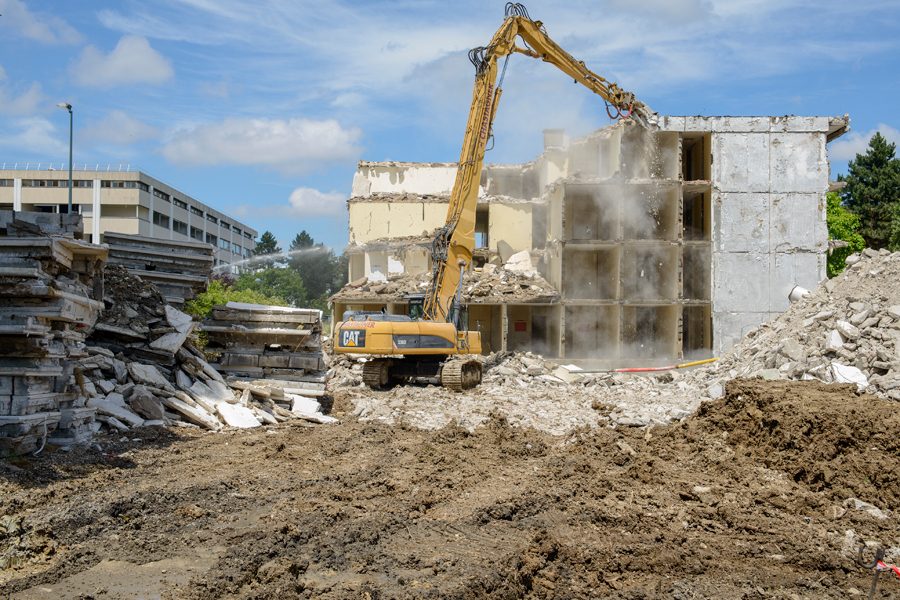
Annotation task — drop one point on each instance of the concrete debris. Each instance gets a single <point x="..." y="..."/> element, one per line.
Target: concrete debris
<point x="179" y="269"/>
<point x="815" y="339"/>
<point x="267" y="341"/>
<point x="51" y="291"/>
<point x="487" y="285"/>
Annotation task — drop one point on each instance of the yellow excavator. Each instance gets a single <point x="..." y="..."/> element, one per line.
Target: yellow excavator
<point x="433" y="340"/>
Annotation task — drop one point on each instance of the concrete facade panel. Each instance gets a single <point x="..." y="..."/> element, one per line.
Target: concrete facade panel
<point x="415" y="179"/>
<point x="667" y="123"/>
<point x="741" y="282"/>
<point x="741" y="162"/>
<point x="730" y="328"/>
<point x="798" y="163"/>
<point x="742" y="223"/>
<point x="798" y="222"/>
<point x="743" y="125"/>
<point x="511" y="223"/>
<point x="700" y="123"/>
<point x="800" y="268"/>
<point x="799" y="124"/>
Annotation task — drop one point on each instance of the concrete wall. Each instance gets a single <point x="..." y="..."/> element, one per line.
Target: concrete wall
<point x="395" y="178"/>
<point x="375" y="220"/>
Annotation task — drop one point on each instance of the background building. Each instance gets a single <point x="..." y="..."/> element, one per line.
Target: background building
<point x="122" y="199"/>
<point x="662" y="246"/>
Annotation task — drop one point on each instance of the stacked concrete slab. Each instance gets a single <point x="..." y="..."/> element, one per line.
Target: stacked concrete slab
<point x="179" y="269"/>
<point x="267" y="342"/>
<point x="51" y="290"/>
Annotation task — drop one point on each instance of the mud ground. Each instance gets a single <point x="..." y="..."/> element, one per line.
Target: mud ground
<point x="742" y="501"/>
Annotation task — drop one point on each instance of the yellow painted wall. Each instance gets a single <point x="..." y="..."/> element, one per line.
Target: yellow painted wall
<point x="374" y="220"/>
<point x="512" y="224"/>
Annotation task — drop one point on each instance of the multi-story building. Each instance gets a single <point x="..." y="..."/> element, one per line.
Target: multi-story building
<point x="124" y="199"/>
<point x="663" y="246"/>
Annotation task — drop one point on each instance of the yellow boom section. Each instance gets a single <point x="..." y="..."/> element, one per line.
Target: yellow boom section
<point x="452" y="247"/>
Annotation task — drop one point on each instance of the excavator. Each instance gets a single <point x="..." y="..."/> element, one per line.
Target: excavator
<point x="433" y="341"/>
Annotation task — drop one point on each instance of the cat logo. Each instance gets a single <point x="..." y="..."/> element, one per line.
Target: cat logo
<point x="353" y="338"/>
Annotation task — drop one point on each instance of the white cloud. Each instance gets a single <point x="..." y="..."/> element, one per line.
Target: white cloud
<point x="303" y="203"/>
<point x="132" y="61"/>
<point x="36" y="135"/>
<point x="2" y="71"/>
<point x="289" y="147"/>
<point x="25" y="103"/>
<point x="117" y="127"/>
<point x="856" y="142"/>
<point x="670" y="11"/>
<point x="49" y="30"/>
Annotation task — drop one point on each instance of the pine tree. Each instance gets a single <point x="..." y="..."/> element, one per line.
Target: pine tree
<point x="267" y="245"/>
<point x="873" y="192"/>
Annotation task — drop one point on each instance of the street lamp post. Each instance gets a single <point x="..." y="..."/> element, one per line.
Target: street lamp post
<point x="68" y="107"/>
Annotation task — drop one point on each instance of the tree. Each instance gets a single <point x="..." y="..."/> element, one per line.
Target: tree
<point x="842" y="225"/>
<point x="315" y="264"/>
<point x="277" y="281"/>
<point x="267" y="245"/>
<point x="873" y="192"/>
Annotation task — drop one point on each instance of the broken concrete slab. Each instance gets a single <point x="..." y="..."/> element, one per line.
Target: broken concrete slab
<point x="237" y="416"/>
<point x="149" y="374"/>
<point x="111" y="409"/>
<point x="194" y="414"/>
<point x="146" y="404"/>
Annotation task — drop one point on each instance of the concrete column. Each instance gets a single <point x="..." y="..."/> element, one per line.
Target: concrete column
<point x="152" y="203"/>
<point x="17" y="194"/>
<point x="172" y="218"/>
<point x="504" y="327"/>
<point x="95" y="217"/>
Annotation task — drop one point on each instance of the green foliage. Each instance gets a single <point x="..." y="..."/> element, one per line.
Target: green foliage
<point x="873" y="193"/>
<point x="842" y="225"/>
<point x="318" y="267"/>
<point x="280" y="282"/>
<point x="218" y="293"/>
<point x="267" y="245"/>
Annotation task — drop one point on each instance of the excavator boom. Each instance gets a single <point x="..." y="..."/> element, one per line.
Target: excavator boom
<point x="410" y="346"/>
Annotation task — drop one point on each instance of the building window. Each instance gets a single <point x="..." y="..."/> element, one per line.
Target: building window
<point x="211" y="239"/>
<point x="179" y="203"/>
<point x="140" y="185"/>
<point x="196" y="211"/>
<point x="236" y="248"/>
<point x="6" y="182"/>
<point x="197" y="234"/>
<point x="211" y="218"/>
<point x="160" y="219"/>
<point x="161" y="195"/>
<point x="246" y="252"/>
<point x="224" y="225"/>
<point x="223" y="244"/>
<point x="236" y="230"/>
<point x="179" y="227"/>
<point x="63" y="183"/>
<point x="247" y="235"/>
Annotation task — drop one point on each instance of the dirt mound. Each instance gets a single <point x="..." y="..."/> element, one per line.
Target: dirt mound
<point x="829" y="437"/>
<point x="130" y="302"/>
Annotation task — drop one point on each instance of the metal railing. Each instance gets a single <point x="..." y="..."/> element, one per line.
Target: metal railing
<point x="65" y="167"/>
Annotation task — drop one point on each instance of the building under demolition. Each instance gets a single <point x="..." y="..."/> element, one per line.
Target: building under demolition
<point x="646" y="246"/>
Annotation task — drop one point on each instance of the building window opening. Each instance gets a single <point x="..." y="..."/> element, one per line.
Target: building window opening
<point x="160" y="219"/>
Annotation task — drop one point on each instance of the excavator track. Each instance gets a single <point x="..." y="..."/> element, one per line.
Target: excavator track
<point x="461" y="374"/>
<point x="376" y="372"/>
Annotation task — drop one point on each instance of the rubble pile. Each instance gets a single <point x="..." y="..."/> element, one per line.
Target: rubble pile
<point x="143" y="369"/>
<point x="268" y="342"/>
<point x="179" y="269"/>
<point x="51" y="289"/>
<point x="847" y="330"/>
<point x="491" y="284"/>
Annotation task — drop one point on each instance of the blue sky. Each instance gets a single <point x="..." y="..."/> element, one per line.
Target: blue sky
<point x="261" y="109"/>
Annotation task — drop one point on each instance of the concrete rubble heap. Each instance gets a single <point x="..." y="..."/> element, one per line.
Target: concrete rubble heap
<point x="179" y="269"/>
<point x="271" y="342"/>
<point x="846" y="330"/>
<point x="51" y="288"/>
<point x="142" y="369"/>
<point x="492" y="283"/>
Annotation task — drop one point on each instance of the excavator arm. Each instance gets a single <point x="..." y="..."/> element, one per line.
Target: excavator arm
<point x="453" y="245"/>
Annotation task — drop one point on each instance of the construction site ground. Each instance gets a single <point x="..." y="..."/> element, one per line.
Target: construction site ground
<point x="749" y="498"/>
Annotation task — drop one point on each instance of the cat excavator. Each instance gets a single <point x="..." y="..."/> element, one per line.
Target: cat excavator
<point x="433" y="341"/>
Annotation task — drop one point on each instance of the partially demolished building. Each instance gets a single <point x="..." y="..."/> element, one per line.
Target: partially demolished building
<point x="646" y="246"/>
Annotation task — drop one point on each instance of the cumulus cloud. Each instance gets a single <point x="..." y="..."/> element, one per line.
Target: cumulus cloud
<point x="117" y="127"/>
<point x="36" y="135"/>
<point x="290" y="147"/>
<point x="49" y="30"/>
<point x="22" y="104"/>
<point x="132" y="61"/>
<point x="856" y="142"/>
<point x="303" y="203"/>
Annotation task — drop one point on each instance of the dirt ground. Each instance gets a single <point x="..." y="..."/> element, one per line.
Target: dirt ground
<point x="744" y="500"/>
